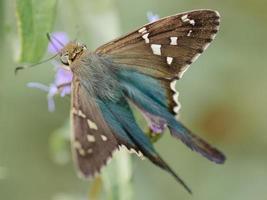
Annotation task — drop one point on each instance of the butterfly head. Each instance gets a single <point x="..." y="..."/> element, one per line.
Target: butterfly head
<point x="71" y="52"/>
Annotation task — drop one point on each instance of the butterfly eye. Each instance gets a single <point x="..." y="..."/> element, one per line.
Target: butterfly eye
<point x="65" y="59"/>
<point x="84" y="47"/>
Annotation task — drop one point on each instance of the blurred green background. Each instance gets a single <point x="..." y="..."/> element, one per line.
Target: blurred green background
<point x="223" y="98"/>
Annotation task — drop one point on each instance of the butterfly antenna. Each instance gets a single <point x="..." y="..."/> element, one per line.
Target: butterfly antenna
<point x="29" y="66"/>
<point x="52" y="42"/>
<point x="51" y="38"/>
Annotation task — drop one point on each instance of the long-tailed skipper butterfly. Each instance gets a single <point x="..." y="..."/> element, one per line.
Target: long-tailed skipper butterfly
<point x="141" y="67"/>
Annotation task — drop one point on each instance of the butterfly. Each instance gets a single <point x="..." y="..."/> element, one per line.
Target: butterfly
<point x="140" y="68"/>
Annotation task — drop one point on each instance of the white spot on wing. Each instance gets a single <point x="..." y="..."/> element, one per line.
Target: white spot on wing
<point x="192" y="22"/>
<point x="173" y="40"/>
<point x="78" y="112"/>
<point x="142" y="30"/>
<point x="81" y="114"/>
<point x="156" y="48"/>
<point x="169" y="60"/>
<point x="172" y="85"/>
<point x="77" y="145"/>
<point x="104" y="138"/>
<point x="89" y="151"/>
<point x="81" y="152"/>
<point x="189" y="33"/>
<point x="91" y="124"/>
<point x="176" y="109"/>
<point x="139" y="153"/>
<point x="185" y="18"/>
<point x="145" y="37"/>
<point x="90" y="138"/>
<point x="175" y="96"/>
<point x="74" y="111"/>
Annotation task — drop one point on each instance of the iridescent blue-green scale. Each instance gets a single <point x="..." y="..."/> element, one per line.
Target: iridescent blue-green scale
<point x="146" y="84"/>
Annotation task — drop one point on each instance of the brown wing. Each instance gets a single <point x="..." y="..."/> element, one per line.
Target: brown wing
<point x="165" y="48"/>
<point x="93" y="142"/>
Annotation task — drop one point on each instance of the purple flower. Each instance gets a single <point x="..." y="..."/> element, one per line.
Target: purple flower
<point x="61" y="84"/>
<point x="152" y="17"/>
<point x="58" y="39"/>
<point x="62" y="80"/>
<point x="156" y="124"/>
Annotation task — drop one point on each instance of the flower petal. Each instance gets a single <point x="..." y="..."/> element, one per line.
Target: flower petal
<point x="62" y="76"/>
<point x="66" y="90"/>
<point x="38" y="86"/>
<point x="152" y="17"/>
<point x="156" y="124"/>
<point x="50" y="97"/>
<point x="57" y="38"/>
<point x="51" y="103"/>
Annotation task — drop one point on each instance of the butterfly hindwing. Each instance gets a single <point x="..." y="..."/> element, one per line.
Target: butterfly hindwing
<point x="160" y="101"/>
<point x="93" y="142"/>
<point x="165" y="48"/>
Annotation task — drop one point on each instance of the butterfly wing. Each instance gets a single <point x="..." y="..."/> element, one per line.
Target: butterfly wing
<point x="165" y="48"/>
<point x="148" y="94"/>
<point x="103" y="122"/>
<point x="93" y="141"/>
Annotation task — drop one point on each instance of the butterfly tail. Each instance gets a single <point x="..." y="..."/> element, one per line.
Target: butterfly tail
<point x="196" y="143"/>
<point x="147" y="103"/>
<point x="123" y="115"/>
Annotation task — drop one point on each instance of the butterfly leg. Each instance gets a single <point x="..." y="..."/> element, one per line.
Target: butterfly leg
<point x="62" y="86"/>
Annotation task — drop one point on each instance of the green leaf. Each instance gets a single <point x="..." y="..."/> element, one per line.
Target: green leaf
<point x="35" y="18"/>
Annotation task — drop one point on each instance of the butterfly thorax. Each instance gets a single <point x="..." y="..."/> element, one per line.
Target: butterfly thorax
<point x="97" y="75"/>
<point x="92" y="71"/>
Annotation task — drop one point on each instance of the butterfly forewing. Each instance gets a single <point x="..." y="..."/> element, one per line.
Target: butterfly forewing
<point x="93" y="142"/>
<point x="165" y="48"/>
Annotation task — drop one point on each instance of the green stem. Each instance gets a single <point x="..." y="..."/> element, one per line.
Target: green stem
<point x="117" y="177"/>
